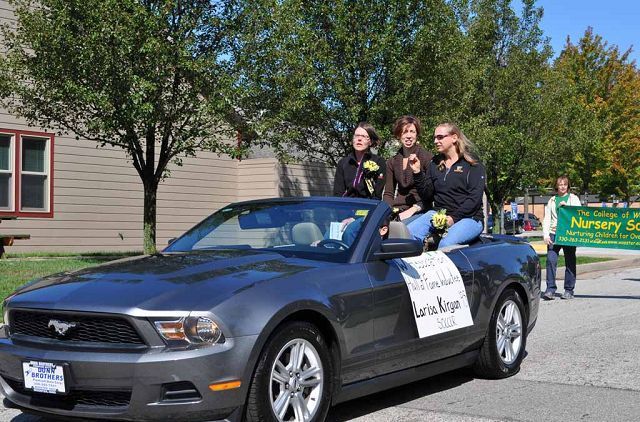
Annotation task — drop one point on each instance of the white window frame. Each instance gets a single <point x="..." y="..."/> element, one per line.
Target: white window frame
<point x="46" y="173"/>
<point x="11" y="171"/>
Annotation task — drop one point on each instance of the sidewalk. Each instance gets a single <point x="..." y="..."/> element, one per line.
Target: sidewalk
<point x="594" y="269"/>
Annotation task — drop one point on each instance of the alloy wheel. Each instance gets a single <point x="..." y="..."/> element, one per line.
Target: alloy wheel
<point x="509" y="332"/>
<point x="296" y="382"/>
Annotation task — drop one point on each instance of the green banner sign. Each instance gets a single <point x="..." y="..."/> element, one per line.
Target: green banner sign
<point x="599" y="227"/>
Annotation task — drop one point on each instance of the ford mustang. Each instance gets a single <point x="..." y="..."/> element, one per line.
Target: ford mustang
<point x="268" y="310"/>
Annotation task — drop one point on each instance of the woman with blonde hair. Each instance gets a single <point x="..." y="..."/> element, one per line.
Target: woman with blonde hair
<point x="455" y="181"/>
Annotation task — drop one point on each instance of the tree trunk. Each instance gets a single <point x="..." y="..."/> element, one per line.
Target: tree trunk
<point x="149" y="223"/>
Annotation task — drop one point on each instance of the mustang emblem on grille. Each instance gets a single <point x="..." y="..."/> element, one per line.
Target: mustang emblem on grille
<point x="61" y="328"/>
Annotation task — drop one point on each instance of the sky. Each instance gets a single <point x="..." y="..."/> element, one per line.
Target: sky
<point x="617" y="21"/>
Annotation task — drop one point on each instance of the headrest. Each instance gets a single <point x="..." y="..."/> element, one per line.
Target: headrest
<point x="305" y="233"/>
<point x="398" y="230"/>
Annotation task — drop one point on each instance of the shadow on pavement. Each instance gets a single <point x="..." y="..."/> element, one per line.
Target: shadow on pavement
<point x="605" y="297"/>
<point x="397" y="396"/>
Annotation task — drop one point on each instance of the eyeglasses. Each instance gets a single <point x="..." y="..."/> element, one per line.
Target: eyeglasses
<point x="440" y="137"/>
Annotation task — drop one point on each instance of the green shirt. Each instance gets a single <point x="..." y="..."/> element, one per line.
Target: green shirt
<point x="560" y="199"/>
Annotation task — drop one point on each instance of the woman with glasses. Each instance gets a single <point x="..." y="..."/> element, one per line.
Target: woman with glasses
<point x="361" y="173"/>
<point x="455" y="180"/>
<point x="400" y="190"/>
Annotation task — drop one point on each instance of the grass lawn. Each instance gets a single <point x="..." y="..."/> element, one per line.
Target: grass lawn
<point x="579" y="260"/>
<point x="15" y="273"/>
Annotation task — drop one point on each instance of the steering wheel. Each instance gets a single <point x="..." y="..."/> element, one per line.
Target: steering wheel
<point x="336" y="243"/>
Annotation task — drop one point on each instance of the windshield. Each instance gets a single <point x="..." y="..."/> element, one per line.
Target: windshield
<point x="307" y="229"/>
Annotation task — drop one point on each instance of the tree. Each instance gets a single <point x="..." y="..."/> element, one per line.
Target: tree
<point x="310" y="70"/>
<point x="503" y="106"/>
<point x="603" y="134"/>
<point x="146" y="76"/>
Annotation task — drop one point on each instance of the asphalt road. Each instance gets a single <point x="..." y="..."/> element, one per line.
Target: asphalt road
<point x="582" y="365"/>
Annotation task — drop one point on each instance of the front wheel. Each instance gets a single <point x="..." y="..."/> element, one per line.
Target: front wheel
<point x="293" y="378"/>
<point x="504" y="344"/>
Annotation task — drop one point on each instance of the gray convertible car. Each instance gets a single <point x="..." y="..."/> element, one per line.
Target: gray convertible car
<point x="267" y="310"/>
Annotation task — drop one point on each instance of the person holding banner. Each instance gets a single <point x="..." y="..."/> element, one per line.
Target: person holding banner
<point x="563" y="197"/>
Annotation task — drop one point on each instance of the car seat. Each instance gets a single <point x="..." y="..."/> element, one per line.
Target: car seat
<point x="305" y="233"/>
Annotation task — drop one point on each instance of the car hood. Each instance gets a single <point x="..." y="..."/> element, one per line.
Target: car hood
<point x="162" y="282"/>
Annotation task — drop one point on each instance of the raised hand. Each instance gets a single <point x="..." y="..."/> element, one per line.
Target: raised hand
<point x="414" y="162"/>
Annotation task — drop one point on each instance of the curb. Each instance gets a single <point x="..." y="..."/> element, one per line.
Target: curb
<point x="592" y="269"/>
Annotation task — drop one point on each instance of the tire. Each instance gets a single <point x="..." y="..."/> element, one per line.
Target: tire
<point x="504" y="345"/>
<point x="284" y="388"/>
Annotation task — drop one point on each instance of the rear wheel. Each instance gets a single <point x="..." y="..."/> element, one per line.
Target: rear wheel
<point x="293" y="378"/>
<point x="504" y="345"/>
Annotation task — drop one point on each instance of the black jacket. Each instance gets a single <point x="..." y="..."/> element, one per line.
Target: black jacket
<point x="457" y="189"/>
<point x="345" y="183"/>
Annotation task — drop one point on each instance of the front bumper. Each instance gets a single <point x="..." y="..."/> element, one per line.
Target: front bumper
<point x="133" y="386"/>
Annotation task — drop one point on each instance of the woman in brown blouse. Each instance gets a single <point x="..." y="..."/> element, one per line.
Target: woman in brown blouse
<point x="399" y="174"/>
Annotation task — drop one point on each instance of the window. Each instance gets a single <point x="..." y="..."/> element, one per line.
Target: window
<point x="26" y="173"/>
<point x="6" y="173"/>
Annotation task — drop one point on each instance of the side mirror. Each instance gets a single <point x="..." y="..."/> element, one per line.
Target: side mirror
<point x="173" y="239"/>
<point x="398" y="248"/>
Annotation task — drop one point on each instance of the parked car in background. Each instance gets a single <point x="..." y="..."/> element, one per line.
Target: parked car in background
<point x="508" y="225"/>
<point x="264" y="312"/>
<point x="534" y="222"/>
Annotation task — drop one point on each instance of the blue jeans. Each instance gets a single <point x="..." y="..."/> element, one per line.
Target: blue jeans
<point x="552" y="266"/>
<point x="461" y="232"/>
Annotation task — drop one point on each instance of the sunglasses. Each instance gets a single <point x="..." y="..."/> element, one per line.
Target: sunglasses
<point x="440" y="137"/>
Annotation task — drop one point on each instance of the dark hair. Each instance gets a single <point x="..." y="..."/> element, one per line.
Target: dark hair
<point x="370" y="131"/>
<point x="563" y="177"/>
<point x="403" y="121"/>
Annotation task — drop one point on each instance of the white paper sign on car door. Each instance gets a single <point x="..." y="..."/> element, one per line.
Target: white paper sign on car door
<point x="438" y="297"/>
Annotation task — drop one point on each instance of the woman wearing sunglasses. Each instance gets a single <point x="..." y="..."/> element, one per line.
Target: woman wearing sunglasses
<point x="455" y="180"/>
<point x="361" y="173"/>
<point x="400" y="190"/>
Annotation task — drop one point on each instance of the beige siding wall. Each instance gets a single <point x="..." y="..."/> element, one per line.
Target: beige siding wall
<point x="309" y="179"/>
<point x="201" y="186"/>
<point x="257" y="178"/>
<point x="266" y="178"/>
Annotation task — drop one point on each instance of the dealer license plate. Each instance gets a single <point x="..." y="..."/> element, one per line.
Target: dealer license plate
<point x="44" y="377"/>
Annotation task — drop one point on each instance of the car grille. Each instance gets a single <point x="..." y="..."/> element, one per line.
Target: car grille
<point x="94" y="328"/>
<point x="75" y="398"/>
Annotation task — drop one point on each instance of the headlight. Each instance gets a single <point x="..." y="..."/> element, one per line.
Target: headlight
<point x="202" y="330"/>
<point x="196" y="330"/>
<point x="5" y="313"/>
